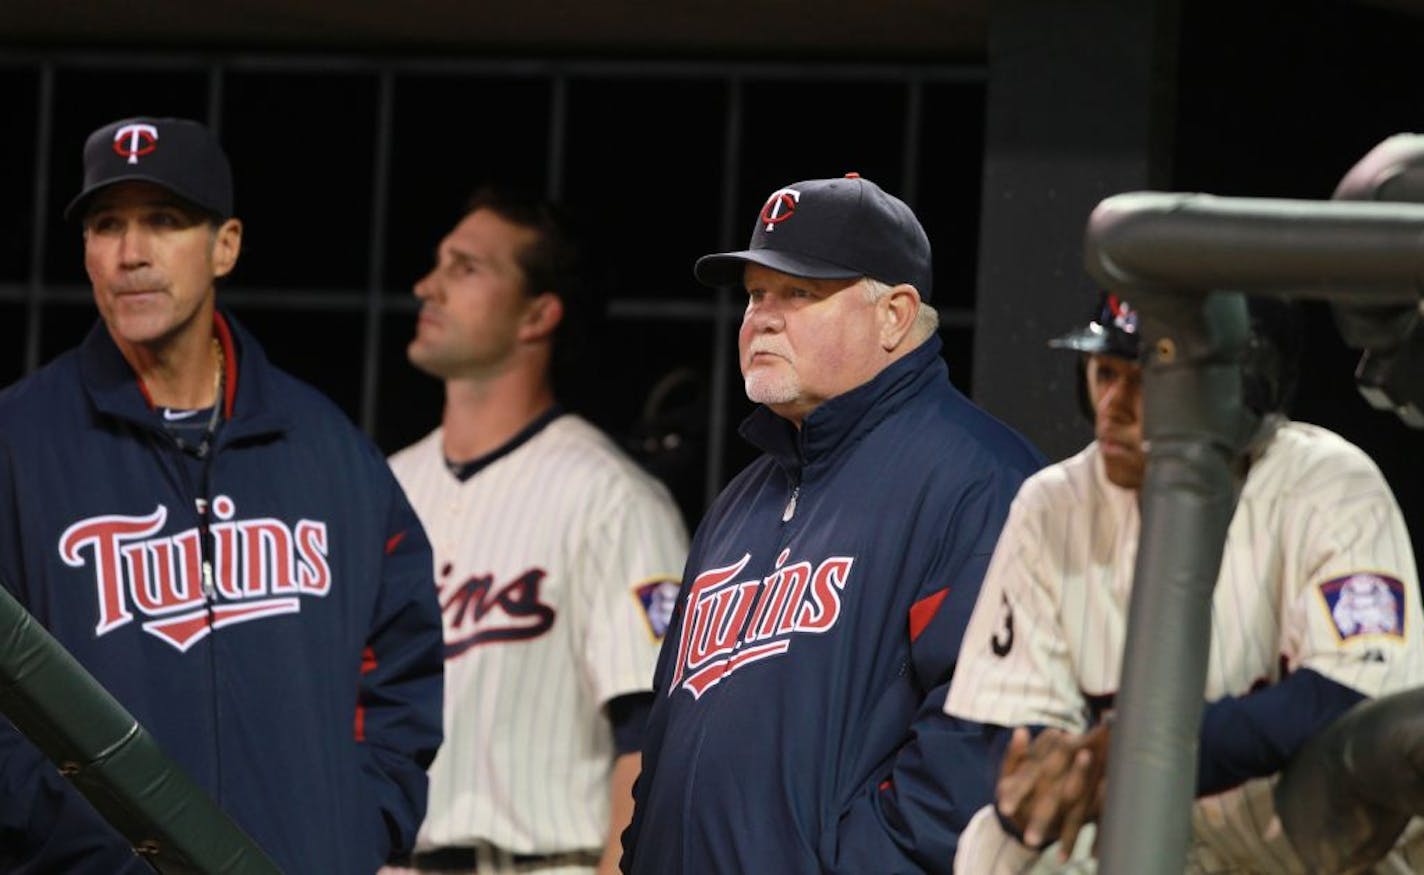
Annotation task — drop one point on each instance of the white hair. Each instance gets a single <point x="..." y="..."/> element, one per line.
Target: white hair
<point x="926" y="321"/>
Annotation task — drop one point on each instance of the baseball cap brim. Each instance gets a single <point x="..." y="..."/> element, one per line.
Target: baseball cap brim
<point x="725" y="268"/>
<point x="1093" y="339"/>
<point x="75" y="210"/>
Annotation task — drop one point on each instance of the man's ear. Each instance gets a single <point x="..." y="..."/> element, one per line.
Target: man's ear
<point x="542" y="316"/>
<point x="897" y="311"/>
<point x="227" y="245"/>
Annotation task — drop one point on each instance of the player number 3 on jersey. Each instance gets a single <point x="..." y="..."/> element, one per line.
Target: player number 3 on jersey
<point x="1003" y="640"/>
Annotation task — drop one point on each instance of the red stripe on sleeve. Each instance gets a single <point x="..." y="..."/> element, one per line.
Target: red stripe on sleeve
<point x="924" y="610"/>
<point x="368" y="665"/>
<point x="394" y="541"/>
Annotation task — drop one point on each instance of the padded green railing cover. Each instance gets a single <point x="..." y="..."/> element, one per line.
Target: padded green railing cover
<point x="171" y="821"/>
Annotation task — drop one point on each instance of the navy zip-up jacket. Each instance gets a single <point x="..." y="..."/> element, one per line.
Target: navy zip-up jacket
<point x="798" y="724"/>
<point x="300" y="683"/>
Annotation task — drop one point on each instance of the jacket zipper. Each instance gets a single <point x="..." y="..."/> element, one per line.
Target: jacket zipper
<point x="790" y="511"/>
<point x="206" y="545"/>
<point x="203" y="503"/>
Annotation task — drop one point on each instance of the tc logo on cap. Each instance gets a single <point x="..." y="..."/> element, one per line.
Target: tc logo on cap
<point x="780" y="207"/>
<point x="131" y="141"/>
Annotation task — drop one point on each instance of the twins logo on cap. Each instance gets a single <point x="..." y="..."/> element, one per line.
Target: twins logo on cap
<point x="780" y="207"/>
<point x="846" y="227"/>
<point x="1123" y="316"/>
<point x="131" y="141"/>
<point x="191" y="164"/>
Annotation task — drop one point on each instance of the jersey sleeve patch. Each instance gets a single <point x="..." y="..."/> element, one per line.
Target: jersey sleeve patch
<point x="1365" y="603"/>
<point x="657" y="599"/>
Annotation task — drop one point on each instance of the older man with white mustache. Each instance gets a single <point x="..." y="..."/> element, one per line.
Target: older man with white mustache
<point x="797" y="726"/>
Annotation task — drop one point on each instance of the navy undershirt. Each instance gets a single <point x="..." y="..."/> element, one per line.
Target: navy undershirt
<point x="186" y="427"/>
<point x="189" y="432"/>
<point x="629" y="716"/>
<point x="465" y="470"/>
<point x="1255" y="735"/>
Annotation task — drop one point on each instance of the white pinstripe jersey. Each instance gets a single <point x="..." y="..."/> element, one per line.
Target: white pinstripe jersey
<point x="557" y="566"/>
<point x="1317" y="572"/>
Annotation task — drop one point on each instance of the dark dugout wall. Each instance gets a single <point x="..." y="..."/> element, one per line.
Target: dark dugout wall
<point x="1261" y="99"/>
<point x="1280" y="99"/>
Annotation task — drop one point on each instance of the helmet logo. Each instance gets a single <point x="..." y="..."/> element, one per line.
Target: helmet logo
<point x="1124" y="318"/>
<point x="780" y="207"/>
<point x="131" y="141"/>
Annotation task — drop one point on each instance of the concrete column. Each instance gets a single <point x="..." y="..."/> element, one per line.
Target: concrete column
<point x="1081" y="99"/>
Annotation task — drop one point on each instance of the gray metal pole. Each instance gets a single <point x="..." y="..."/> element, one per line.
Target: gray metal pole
<point x="1194" y="421"/>
<point x="1166" y="252"/>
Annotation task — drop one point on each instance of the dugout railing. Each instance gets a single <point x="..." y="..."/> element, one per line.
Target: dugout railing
<point x="1186" y="260"/>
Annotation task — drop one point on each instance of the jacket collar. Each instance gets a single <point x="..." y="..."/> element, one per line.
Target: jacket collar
<point x="841" y="421"/>
<point x="115" y="390"/>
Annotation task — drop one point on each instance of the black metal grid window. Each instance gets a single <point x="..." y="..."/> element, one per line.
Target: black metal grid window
<point x="349" y="169"/>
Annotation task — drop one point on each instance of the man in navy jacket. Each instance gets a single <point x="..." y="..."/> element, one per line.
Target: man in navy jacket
<point x="797" y="725"/>
<point x="215" y="542"/>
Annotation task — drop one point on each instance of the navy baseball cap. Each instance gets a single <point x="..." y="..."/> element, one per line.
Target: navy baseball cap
<point x="831" y="229"/>
<point x="177" y="154"/>
<point x="1112" y="330"/>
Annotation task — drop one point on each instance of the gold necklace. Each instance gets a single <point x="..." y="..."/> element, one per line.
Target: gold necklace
<point x="202" y="449"/>
<point x="218" y="374"/>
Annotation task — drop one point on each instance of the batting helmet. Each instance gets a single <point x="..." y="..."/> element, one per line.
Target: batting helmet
<point x="1270" y="365"/>
<point x="1111" y="331"/>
